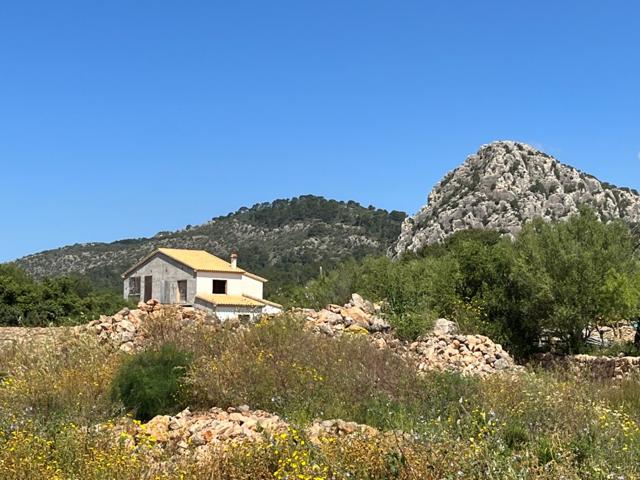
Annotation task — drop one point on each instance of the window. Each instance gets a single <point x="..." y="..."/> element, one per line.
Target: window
<point x="134" y="285"/>
<point x="219" y="286"/>
<point x="244" y="317"/>
<point x="182" y="291"/>
<point x="134" y="288"/>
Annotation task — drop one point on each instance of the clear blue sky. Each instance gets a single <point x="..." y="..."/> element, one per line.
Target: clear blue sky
<point x="121" y="118"/>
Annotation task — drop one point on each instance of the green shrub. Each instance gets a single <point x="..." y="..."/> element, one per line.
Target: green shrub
<point x="58" y="301"/>
<point x="148" y="384"/>
<point x="515" y="435"/>
<point x="411" y="325"/>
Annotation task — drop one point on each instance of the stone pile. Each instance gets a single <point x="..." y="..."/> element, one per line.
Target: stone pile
<point x="356" y="316"/>
<point x="190" y="433"/>
<point x="466" y="354"/>
<point x="125" y="330"/>
<point x="442" y="350"/>
<point x="35" y="337"/>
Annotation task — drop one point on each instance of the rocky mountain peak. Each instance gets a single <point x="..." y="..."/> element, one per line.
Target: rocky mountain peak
<point x="505" y="184"/>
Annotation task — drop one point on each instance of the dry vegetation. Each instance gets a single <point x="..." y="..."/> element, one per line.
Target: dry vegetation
<point x="58" y="416"/>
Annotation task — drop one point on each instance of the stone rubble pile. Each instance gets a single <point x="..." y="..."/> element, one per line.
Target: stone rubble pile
<point x="467" y="354"/>
<point x="357" y="316"/>
<point x="188" y="430"/>
<point x="442" y="350"/>
<point x="339" y="428"/>
<point x="190" y="433"/>
<point x="126" y="330"/>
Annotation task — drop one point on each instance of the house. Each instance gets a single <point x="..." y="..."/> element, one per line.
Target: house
<point x="198" y="278"/>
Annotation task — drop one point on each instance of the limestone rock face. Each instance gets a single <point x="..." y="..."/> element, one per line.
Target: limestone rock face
<point x="504" y="184"/>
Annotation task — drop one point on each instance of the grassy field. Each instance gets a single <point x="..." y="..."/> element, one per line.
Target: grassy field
<point x="58" y="413"/>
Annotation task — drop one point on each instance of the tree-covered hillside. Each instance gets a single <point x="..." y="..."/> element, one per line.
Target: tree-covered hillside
<point x="286" y="241"/>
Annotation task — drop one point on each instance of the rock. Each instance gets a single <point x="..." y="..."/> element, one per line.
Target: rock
<point x="327" y="316"/>
<point x="326" y="329"/>
<point x="501" y="364"/>
<point x="357" y="315"/>
<point x="127" y="326"/>
<point x="365" y="305"/>
<point x="158" y="427"/>
<point x="443" y="326"/>
<point x="378" y="325"/>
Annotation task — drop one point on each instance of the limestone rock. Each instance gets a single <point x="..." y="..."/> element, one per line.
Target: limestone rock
<point x="505" y="184"/>
<point x="443" y="326"/>
<point x="357" y="316"/>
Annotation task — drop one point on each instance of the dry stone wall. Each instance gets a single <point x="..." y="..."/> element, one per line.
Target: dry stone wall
<point x="591" y="366"/>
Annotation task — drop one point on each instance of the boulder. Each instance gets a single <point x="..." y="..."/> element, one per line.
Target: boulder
<point x="365" y="305"/>
<point x="443" y="326"/>
<point x="357" y="315"/>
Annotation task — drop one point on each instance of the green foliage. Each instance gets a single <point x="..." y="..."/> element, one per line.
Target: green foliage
<point x="580" y="274"/>
<point x="148" y="384"/>
<point x="57" y="301"/>
<point x="627" y="349"/>
<point x="286" y="241"/>
<point x="555" y="280"/>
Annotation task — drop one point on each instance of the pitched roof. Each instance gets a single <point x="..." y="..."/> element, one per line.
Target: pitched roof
<point x="198" y="260"/>
<point x="229" y="300"/>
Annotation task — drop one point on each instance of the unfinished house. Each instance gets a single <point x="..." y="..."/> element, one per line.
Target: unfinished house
<point x="198" y="278"/>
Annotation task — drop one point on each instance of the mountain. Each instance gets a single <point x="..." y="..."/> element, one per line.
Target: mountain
<point x="286" y="241"/>
<point x="504" y="184"/>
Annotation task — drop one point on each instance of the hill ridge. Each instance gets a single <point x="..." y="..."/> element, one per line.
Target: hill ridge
<point x="286" y="240"/>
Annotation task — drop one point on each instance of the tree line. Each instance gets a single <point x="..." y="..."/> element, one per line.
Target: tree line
<point x="55" y="301"/>
<point x="555" y="282"/>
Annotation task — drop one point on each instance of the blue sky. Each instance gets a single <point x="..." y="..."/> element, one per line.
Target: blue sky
<point x="119" y="119"/>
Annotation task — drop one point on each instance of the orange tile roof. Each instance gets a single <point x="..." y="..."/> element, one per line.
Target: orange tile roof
<point x="230" y="300"/>
<point x="198" y="260"/>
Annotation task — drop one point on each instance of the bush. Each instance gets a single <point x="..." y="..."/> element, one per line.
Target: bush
<point x="148" y="384"/>
<point x="411" y="325"/>
<point x="57" y="301"/>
